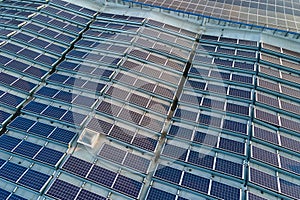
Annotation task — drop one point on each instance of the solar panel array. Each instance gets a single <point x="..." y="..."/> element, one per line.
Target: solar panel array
<point x="283" y="15"/>
<point x="106" y="106"/>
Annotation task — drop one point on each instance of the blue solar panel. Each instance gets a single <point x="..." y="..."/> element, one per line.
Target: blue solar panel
<point x="16" y="197"/>
<point x="224" y="191"/>
<point x="27" y="149"/>
<point x="186" y="114"/>
<point x="24" y="85"/>
<point x="168" y="174"/>
<point x="290" y="165"/>
<point x="240" y="93"/>
<point x="41" y="129"/>
<point x="62" y="190"/>
<point x="138" y="163"/>
<point x="235" y="108"/>
<point x="156" y="194"/>
<point x="74" y="118"/>
<point x="54" y="112"/>
<point x="128" y="186"/>
<point x="47" y="92"/>
<point x="49" y="156"/>
<point x="8" y="143"/>
<point x="231" y="145"/>
<point x="265" y="156"/>
<point x="34" y="180"/>
<point x="289" y="188"/>
<point x="181" y="132"/>
<point x="102" y="176"/>
<point x="263" y="179"/>
<point x="175" y="152"/>
<point x="77" y="166"/>
<point x="204" y="138"/>
<point x="235" y="126"/>
<point x="143" y="142"/>
<point x="229" y="167"/>
<point x="4" y="194"/>
<point x="200" y="159"/>
<point x="12" y="172"/>
<point x="290" y="143"/>
<point x="112" y="153"/>
<point x="21" y="123"/>
<point x="99" y="126"/>
<point x="195" y="182"/>
<point x="209" y="120"/>
<point x="35" y="107"/>
<point x="196" y="85"/>
<point x="4" y="116"/>
<point x="62" y="135"/>
<point x="87" y="195"/>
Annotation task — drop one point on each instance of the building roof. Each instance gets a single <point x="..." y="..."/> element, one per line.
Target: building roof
<point x="102" y="101"/>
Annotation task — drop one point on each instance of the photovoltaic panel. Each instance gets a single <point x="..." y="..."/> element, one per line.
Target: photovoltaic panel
<point x="168" y="174"/>
<point x="62" y="190"/>
<point x="102" y="176"/>
<point x="137" y="163"/>
<point x="34" y="180"/>
<point x="195" y="182"/>
<point x="128" y="186"/>
<point x="263" y="179"/>
<point x="77" y="166"/>
<point x="87" y="195"/>
<point x="224" y="191"/>
<point x="155" y="194"/>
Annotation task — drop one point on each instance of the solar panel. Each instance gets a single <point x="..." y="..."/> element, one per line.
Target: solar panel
<point x="195" y="182"/>
<point x="180" y="132"/>
<point x="203" y="138"/>
<point x="186" y="115"/>
<point x="224" y="191"/>
<point x="112" y="153"/>
<point x="16" y="197"/>
<point x="175" y="152"/>
<point x="155" y="194"/>
<point x="62" y="190"/>
<point x="87" y="195"/>
<point x="8" y="142"/>
<point x="144" y="142"/>
<point x="27" y="149"/>
<point x="265" y="156"/>
<point x="289" y="188"/>
<point x="77" y="166"/>
<point x="137" y="163"/>
<point x="289" y="164"/>
<point x="290" y="143"/>
<point x="34" y="180"/>
<point x="4" y="194"/>
<point x="128" y="186"/>
<point x="62" y="135"/>
<point x="102" y="176"/>
<point x="121" y="134"/>
<point x="12" y="171"/>
<point x="263" y="179"/>
<point x="235" y="126"/>
<point x="167" y="173"/>
<point x="201" y="160"/>
<point x="239" y="109"/>
<point x="266" y="135"/>
<point x="49" y="156"/>
<point x="4" y="116"/>
<point x="41" y="129"/>
<point x="228" y="167"/>
<point x="231" y="145"/>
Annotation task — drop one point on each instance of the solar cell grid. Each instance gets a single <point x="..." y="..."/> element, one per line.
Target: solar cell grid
<point x="195" y="182"/>
<point x="263" y="179"/>
<point x="102" y="176"/>
<point x="62" y="135"/>
<point x="231" y="145"/>
<point x="224" y="191"/>
<point x="175" y="152"/>
<point x="155" y="194"/>
<point x="128" y="186"/>
<point x="290" y="164"/>
<point x="267" y="117"/>
<point x="290" y="143"/>
<point x="144" y="142"/>
<point x="62" y="190"/>
<point x="27" y="149"/>
<point x="112" y="153"/>
<point x="289" y="188"/>
<point x="8" y="142"/>
<point x="136" y="162"/>
<point x="34" y="180"/>
<point x="77" y="166"/>
<point x="228" y="167"/>
<point x="49" y="156"/>
<point x="203" y="138"/>
<point x="12" y="171"/>
<point x="200" y="159"/>
<point x="41" y="129"/>
<point x="266" y="135"/>
<point x="181" y="132"/>
<point x="87" y="195"/>
<point x="167" y="173"/>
